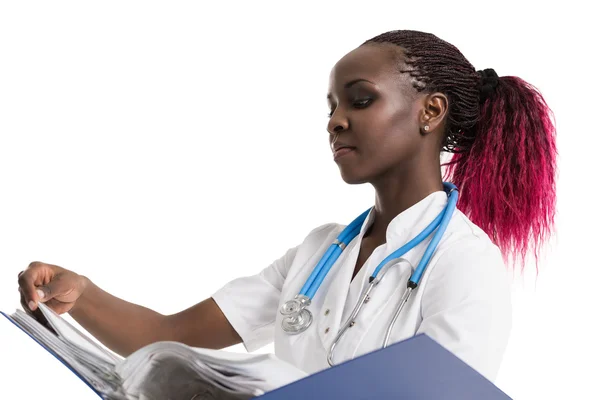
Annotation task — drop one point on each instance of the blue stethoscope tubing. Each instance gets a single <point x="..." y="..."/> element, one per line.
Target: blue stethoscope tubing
<point x="351" y="231"/>
<point x="298" y="317"/>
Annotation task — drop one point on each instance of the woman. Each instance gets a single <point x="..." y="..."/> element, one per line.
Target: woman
<point x="396" y="101"/>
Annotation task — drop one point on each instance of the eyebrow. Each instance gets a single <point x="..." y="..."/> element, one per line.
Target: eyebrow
<point x="349" y="84"/>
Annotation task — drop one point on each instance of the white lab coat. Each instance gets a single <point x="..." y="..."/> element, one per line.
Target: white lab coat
<point x="462" y="302"/>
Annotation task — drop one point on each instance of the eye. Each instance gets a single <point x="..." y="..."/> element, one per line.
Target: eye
<point x="362" y="103"/>
<point x="358" y="104"/>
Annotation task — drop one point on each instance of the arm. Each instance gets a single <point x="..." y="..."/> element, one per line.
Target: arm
<point x="125" y="327"/>
<point x="121" y="326"/>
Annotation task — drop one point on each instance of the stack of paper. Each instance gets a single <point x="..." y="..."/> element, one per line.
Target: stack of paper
<point x="163" y="370"/>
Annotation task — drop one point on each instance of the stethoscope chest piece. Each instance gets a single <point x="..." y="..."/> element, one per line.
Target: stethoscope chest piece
<point x="297" y="318"/>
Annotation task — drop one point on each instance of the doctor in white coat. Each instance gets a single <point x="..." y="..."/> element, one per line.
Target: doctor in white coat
<point x="396" y="101"/>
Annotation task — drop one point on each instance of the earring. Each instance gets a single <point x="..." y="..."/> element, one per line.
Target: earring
<point x="426" y="127"/>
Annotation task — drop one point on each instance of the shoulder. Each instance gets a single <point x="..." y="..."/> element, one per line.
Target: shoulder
<point x="468" y="263"/>
<point x="466" y="246"/>
<point x="321" y="234"/>
<point x="315" y="242"/>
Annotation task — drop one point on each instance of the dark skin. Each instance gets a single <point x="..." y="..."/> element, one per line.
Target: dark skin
<point x="389" y="149"/>
<point x="383" y="121"/>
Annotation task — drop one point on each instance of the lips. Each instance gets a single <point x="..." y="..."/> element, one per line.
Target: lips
<point x="339" y="146"/>
<point x="342" y="150"/>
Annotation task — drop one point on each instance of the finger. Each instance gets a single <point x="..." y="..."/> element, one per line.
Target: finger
<point x="37" y="314"/>
<point x="27" y="282"/>
<point x="24" y="302"/>
<point x="28" y="298"/>
<point x="25" y="305"/>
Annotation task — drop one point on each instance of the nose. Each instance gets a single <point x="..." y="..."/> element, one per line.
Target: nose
<point x="337" y="124"/>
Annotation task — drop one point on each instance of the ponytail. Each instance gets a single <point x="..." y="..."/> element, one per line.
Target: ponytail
<point x="502" y="135"/>
<point x="507" y="176"/>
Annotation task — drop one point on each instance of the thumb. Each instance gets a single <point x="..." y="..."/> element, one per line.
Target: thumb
<point x="52" y="289"/>
<point x="44" y="293"/>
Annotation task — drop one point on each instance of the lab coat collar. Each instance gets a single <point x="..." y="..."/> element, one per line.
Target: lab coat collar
<point x="409" y="223"/>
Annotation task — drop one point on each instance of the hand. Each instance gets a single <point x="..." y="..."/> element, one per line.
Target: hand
<point x="54" y="286"/>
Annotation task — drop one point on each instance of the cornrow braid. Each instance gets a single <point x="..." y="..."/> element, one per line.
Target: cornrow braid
<point x="502" y="137"/>
<point x="438" y="66"/>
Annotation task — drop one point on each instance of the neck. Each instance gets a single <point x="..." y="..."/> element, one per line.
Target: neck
<point x="396" y="193"/>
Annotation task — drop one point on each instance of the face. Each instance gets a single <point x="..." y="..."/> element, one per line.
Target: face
<point x="374" y="125"/>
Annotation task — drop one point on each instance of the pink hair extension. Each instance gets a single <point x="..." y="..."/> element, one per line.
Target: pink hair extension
<point x="507" y="177"/>
<point x="504" y="148"/>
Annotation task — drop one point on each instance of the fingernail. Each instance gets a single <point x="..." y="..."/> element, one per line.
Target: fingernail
<point x="40" y="293"/>
<point x="31" y="305"/>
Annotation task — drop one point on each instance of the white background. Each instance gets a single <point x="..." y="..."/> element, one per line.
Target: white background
<point x="165" y="148"/>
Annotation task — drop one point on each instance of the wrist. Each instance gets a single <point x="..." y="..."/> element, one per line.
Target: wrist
<point x="84" y="283"/>
<point x="83" y="287"/>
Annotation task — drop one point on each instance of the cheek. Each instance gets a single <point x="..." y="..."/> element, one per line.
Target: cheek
<point x="394" y="130"/>
<point x="386" y="136"/>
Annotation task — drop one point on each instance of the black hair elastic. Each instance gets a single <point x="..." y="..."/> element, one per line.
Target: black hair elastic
<point x="489" y="81"/>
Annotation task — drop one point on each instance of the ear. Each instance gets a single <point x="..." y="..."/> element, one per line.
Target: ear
<point x="433" y="112"/>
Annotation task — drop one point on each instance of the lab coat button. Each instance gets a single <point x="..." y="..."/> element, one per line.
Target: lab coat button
<point x="327" y="312"/>
<point x="327" y="330"/>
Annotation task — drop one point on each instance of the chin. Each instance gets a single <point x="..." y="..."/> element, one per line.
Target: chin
<point x="353" y="177"/>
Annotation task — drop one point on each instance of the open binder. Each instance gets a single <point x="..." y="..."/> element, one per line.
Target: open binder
<point x="414" y="369"/>
<point x="417" y="368"/>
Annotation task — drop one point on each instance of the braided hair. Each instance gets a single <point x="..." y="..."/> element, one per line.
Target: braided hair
<point x="502" y="137"/>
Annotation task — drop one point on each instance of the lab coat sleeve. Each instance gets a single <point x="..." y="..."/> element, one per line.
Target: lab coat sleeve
<point x="466" y="305"/>
<point x="250" y="303"/>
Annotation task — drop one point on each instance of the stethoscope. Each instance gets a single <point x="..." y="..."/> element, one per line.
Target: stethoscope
<point x="297" y="317"/>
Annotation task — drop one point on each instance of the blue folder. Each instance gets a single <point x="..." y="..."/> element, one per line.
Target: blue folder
<point x="53" y="353"/>
<point x="414" y="369"/>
